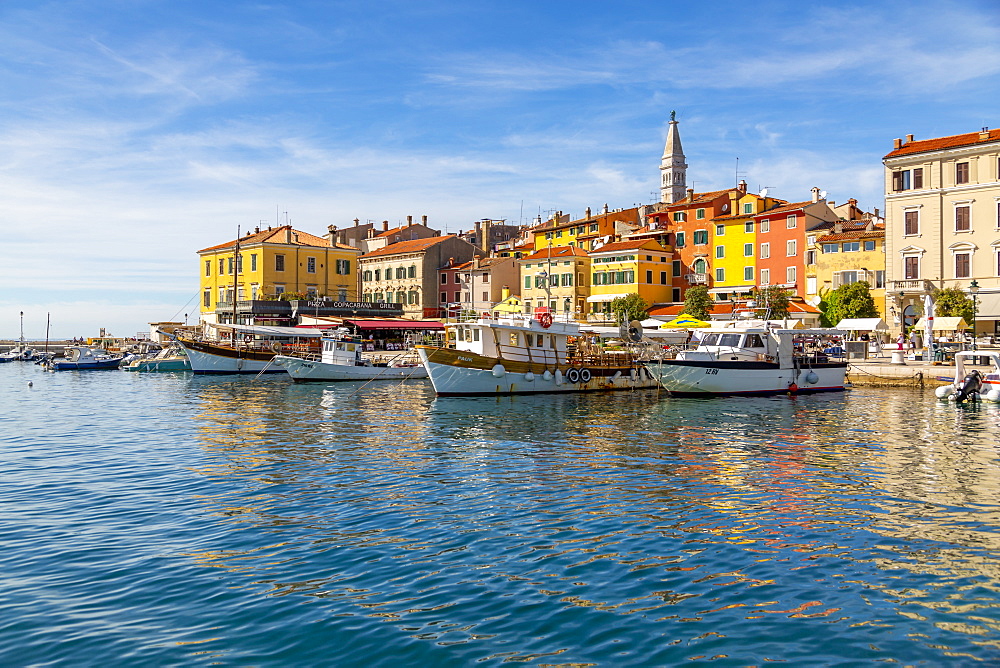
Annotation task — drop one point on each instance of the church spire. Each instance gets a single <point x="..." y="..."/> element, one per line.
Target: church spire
<point x="673" y="169"/>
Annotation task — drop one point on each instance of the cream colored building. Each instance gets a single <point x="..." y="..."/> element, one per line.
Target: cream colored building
<point x="943" y="223"/>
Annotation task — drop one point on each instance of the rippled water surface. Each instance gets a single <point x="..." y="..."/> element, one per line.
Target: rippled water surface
<point x="172" y="519"/>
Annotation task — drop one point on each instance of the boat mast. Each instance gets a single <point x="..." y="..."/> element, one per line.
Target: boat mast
<point x="47" y="321"/>
<point x="22" y="329"/>
<point x="236" y="281"/>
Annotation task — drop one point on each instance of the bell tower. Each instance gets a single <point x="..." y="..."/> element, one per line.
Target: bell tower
<point x="673" y="169"/>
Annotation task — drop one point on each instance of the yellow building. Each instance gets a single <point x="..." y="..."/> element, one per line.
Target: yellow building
<point x="270" y="263"/>
<point x="555" y="279"/>
<point x="621" y="268"/>
<point x="734" y="242"/>
<point x="846" y="252"/>
<point x="587" y="232"/>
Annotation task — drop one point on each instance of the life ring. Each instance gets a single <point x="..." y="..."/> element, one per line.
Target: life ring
<point x="585" y="375"/>
<point x="573" y="376"/>
<point x="248" y="338"/>
<point x="545" y="320"/>
<point x="275" y="347"/>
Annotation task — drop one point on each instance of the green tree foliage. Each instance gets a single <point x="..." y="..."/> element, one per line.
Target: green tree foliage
<point x="774" y="299"/>
<point x="952" y="302"/>
<point x="853" y="300"/>
<point x="697" y="302"/>
<point x="628" y="308"/>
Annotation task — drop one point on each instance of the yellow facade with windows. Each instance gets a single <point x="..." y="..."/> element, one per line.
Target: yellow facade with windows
<point x="271" y="263"/>
<point x="618" y="269"/>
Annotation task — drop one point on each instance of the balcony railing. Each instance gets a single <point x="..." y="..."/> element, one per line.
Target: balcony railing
<point x="910" y="286"/>
<point x="696" y="278"/>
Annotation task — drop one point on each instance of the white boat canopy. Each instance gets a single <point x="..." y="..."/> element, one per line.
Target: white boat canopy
<point x="273" y="331"/>
<point x="863" y="325"/>
<point x="606" y="298"/>
<point x="945" y="323"/>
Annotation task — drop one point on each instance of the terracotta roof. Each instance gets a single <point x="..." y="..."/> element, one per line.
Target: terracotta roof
<point x="855" y="234"/>
<point x="724" y="308"/>
<point x="557" y="252"/>
<point x="277" y="236"/>
<point x="794" y="206"/>
<point x="954" y="141"/>
<point x="484" y="263"/>
<point x="408" y="246"/>
<point x="617" y="246"/>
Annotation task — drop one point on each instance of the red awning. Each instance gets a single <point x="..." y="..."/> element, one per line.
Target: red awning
<point x="396" y="324"/>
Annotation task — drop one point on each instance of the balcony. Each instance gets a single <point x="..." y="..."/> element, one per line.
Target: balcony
<point x="696" y="279"/>
<point x="914" y="286"/>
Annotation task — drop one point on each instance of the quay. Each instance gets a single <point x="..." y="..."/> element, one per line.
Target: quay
<point x="881" y="372"/>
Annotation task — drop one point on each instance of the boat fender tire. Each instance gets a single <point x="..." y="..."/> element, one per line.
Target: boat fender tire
<point x="499" y="370"/>
<point x="585" y="375"/>
<point x="528" y="376"/>
<point x="812" y="378"/>
<point x="558" y="376"/>
<point x="546" y="375"/>
<point x="573" y="376"/>
<point x="793" y="388"/>
<point x="276" y="347"/>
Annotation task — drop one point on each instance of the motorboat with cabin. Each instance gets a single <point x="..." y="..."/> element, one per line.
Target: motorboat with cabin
<point x="973" y="384"/>
<point x="754" y="360"/>
<point x="340" y="359"/>
<point x="171" y="358"/>
<point x="19" y="353"/>
<point x="83" y="358"/>
<point x="246" y="349"/>
<point x="525" y="354"/>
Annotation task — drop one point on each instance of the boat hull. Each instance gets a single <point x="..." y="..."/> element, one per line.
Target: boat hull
<point x="60" y="365"/>
<point x="715" y="378"/>
<point x="206" y="358"/>
<point x="462" y="373"/>
<point x="304" y="371"/>
<point x="158" y="366"/>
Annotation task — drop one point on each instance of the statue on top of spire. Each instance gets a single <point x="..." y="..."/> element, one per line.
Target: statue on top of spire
<point x="673" y="115"/>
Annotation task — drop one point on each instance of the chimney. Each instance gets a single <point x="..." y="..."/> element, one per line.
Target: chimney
<point x="256" y="230"/>
<point x="815" y="193"/>
<point x="288" y="234"/>
<point x="331" y="228"/>
<point x="690" y="194"/>
<point x="984" y="134"/>
<point x="357" y="221"/>
<point x="423" y="220"/>
<point x="605" y="209"/>
<point x="909" y="138"/>
<point x="897" y="143"/>
<point x="385" y="225"/>
<point x="852" y="202"/>
<point x="588" y="213"/>
<point x="742" y="186"/>
<point x="504" y="292"/>
<point x="876" y="214"/>
<point x="409" y="221"/>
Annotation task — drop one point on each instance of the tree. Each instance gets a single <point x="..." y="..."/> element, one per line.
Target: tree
<point x="853" y="300"/>
<point x="952" y="302"/>
<point x="697" y="302"/>
<point x="628" y="308"/>
<point x="774" y="299"/>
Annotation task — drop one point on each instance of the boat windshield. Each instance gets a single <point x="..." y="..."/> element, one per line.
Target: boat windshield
<point x="729" y="340"/>
<point x="710" y="340"/>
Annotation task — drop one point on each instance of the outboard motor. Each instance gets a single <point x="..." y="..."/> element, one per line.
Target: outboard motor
<point x="972" y="385"/>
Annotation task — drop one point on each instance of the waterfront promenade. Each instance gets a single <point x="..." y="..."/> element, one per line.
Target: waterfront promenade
<point x="881" y="372"/>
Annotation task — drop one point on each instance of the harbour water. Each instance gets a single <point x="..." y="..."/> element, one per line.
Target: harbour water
<point x="163" y="519"/>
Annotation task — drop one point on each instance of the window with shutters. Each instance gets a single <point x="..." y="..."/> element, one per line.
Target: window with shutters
<point x="791" y="222"/>
<point x="765" y="251"/>
<point x="963" y="218"/>
<point x="962" y="265"/>
<point x="765" y="277"/>
<point x="747" y="273"/>
<point x="720" y="251"/>
<point x="720" y="275"/>
<point x="279" y="262"/>
<point x="911" y="222"/>
<point x="791" y="248"/>
<point x="208" y="269"/>
<point x="961" y="173"/>
<point x="790" y="275"/>
<point x="676" y="267"/>
<point x="310" y="265"/>
<point x="700" y="237"/>
<point x="911" y="267"/>
<point x="747" y="250"/>
<point x="765" y="225"/>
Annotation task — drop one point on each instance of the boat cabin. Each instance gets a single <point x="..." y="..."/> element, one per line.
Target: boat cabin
<point x="748" y="345"/>
<point x="516" y="337"/>
<point x="342" y="348"/>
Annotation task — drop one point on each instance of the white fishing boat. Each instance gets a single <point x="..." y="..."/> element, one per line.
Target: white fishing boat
<point x="21" y="352"/>
<point x="83" y="358"/>
<point x="246" y="349"/>
<point x="171" y="358"/>
<point x="521" y="354"/>
<point x="755" y="360"/>
<point x="341" y="359"/>
<point x="973" y="384"/>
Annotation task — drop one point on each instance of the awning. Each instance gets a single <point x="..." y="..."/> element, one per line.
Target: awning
<point x="736" y="289"/>
<point x="606" y="298"/>
<point x="988" y="306"/>
<point x="944" y="324"/>
<point x="396" y="324"/>
<point x="862" y="325"/>
<point x="275" y="331"/>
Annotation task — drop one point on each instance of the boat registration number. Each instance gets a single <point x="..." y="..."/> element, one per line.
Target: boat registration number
<point x="711" y="371"/>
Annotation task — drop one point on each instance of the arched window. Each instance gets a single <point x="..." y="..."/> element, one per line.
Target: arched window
<point x="699" y="266"/>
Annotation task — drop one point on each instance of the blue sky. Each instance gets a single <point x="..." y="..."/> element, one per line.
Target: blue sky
<point x="135" y="132"/>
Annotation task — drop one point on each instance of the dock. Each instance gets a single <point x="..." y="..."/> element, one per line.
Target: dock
<point x="881" y="372"/>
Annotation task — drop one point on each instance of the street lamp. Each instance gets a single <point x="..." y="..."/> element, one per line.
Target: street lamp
<point x="974" y="290"/>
